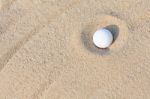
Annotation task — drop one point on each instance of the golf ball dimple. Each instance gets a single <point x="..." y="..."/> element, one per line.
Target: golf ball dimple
<point x="102" y="38"/>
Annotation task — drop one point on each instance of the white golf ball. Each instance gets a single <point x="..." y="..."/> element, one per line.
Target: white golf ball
<point x="102" y="38"/>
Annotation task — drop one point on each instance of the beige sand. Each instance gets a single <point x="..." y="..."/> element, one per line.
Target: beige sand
<point x="46" y="50"/>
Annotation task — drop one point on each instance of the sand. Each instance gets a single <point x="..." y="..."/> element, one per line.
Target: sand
<point x="46" y="49"/>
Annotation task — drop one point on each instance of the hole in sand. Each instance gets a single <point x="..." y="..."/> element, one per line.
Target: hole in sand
<point x="87" y="38"/>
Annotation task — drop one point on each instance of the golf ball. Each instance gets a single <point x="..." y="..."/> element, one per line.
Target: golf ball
<point x="102" y="38"/>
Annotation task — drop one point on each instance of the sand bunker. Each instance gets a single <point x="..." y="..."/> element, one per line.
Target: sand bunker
<point x="46" y="49"/>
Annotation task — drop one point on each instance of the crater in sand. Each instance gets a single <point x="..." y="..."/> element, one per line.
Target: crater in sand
<point x="116" y="26"/>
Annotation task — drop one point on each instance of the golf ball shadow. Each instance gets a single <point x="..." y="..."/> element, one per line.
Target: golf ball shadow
<point x="114" y="29"/>
<point x="87" y="39"/>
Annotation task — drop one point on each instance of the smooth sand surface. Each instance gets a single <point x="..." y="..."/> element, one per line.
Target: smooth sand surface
<point x="46" y="49"/>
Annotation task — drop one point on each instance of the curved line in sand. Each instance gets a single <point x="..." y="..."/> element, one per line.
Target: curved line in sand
<point x="6" y="57"/>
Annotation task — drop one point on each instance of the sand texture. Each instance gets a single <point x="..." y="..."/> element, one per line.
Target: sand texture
<point x="46" y="49"/>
